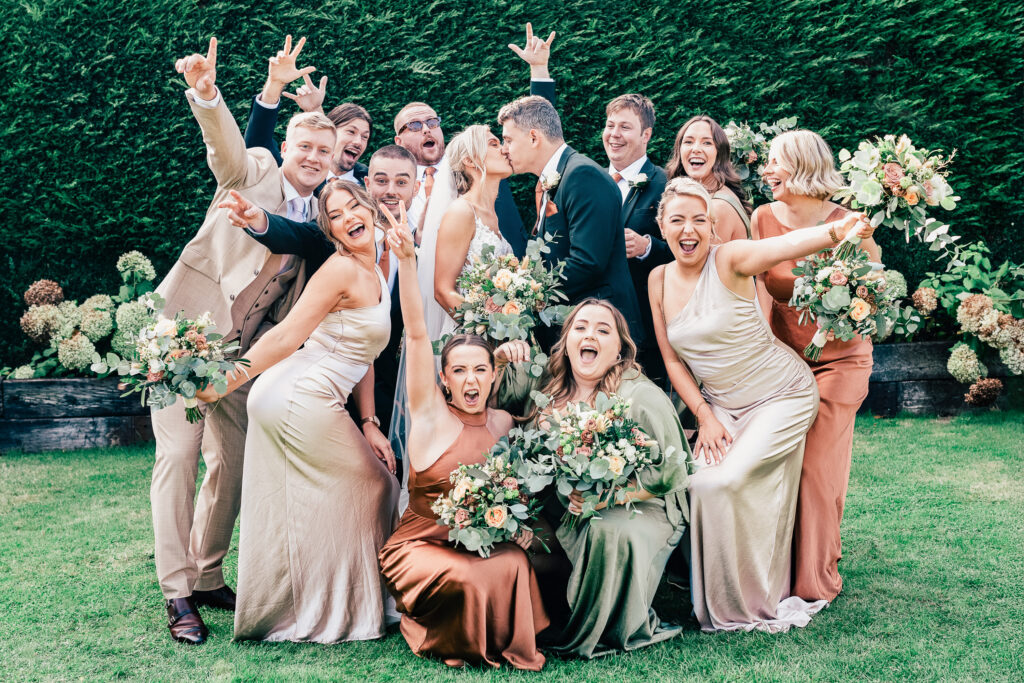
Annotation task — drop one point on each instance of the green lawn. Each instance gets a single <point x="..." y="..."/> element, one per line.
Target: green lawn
<point x="934" y="569"/>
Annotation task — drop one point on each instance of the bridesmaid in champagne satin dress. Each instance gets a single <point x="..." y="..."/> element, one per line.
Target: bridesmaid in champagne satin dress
<point x="842" y="372"/>
<point x="756" y="401"/>
<point x="455" y="605"/>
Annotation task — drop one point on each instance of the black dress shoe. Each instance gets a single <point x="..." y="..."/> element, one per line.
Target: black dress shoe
<point x="184" y="621"/>
<point x="221" y="598"/>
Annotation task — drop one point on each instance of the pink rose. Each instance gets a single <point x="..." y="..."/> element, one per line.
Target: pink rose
<point x="585" y="451"/>
<point x="751" y="157"/>
<point x="893" y="174"/>
<point x="490" y="306"/>
<point x="862" y="291"/>
<point x="510" y="483"/>
<point x="837" y="278"/>
<point x="461" y="517"/>
<point x="154" y="376"/>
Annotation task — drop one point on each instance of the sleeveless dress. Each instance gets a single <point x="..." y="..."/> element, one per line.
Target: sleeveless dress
<point x="317" y="505"/>
<point x="842" y="374"/>
<point x="742" y="510"/>
<point x="398" y="433"/>
<point x="456" y="604"/>
<point x="729" y="198"/>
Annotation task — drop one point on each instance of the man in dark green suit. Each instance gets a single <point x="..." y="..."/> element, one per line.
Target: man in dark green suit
<point x="579" y="205"/>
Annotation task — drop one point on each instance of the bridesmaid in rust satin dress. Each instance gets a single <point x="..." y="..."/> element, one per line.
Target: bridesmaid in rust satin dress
<point x="802" y="175"/>
<point x="455" y="605"/>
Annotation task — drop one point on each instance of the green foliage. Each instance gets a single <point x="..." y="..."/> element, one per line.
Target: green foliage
<point x="971" y="271"/>
<point x="101" y="154"/>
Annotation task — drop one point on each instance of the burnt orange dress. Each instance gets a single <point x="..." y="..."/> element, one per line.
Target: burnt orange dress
<point x="842" y="374"/>
<point x="454" y="603"/>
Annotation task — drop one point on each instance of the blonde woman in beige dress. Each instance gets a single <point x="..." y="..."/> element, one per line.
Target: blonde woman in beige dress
<point x="756" y="402"/>
<point x="317" y="504"/>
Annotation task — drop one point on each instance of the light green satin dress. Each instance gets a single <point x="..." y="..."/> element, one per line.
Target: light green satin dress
<point x="618" y="559"/>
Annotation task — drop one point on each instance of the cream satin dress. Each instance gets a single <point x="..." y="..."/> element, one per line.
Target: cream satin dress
<point x="742" y="510"/>
<point x="317" y="505"/>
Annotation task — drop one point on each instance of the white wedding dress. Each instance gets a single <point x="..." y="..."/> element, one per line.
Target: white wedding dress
<point x="439" y="323"/>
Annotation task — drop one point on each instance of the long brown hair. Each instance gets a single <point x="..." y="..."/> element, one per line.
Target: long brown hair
<point x="560" y="385"/>
<point x="723" y="170"/>
<point x="360" y="195"/>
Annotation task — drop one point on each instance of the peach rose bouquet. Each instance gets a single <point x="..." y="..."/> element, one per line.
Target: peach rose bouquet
<point x="848" y="296"/>
<point x="173" y="357"/>
<point x="507" y="297"/>
<point x="487" y="503"/>
<point x="898" y="185"/>
<point x="597" y="451"/>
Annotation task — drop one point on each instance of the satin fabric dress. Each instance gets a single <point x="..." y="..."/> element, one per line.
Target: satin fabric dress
<point x="742" y="510"/>
<point x="617" y="559"/>
<point x="454" y="603"/>
<point x="842" y="374"/>
<point x="317" y="504"/>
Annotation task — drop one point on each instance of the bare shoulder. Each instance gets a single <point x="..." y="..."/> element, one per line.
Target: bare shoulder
<point x="657" y="274"/>
<point x="500" y="420"/>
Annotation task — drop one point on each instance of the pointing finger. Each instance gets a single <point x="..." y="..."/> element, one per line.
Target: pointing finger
<point x="518" y="50"/>
<point x="323" y="84"/>
<point x="547" y="43"/>
<point x="290" y="96"/>
<point x="287" y="44"/>
<point x="529" y="32"/>
<point x="211" y="53"/>
<point x="298" y="46"/>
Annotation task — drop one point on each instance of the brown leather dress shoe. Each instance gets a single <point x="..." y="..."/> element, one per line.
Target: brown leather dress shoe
<point x="221" y="598"/>
<point x="184" y="621"/>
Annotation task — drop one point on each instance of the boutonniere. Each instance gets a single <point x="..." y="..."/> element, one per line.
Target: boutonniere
<point x="549" y="181"/>
<point x="637" y="181"/>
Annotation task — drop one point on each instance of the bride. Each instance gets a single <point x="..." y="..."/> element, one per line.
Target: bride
<point x="460" y="218"/>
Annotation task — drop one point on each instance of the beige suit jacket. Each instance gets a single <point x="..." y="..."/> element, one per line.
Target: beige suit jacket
<point x="222" y="270"/>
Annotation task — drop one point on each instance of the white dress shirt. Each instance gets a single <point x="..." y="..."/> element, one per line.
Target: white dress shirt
<point x="419" y="202"/>
<point x="552" y="165"/>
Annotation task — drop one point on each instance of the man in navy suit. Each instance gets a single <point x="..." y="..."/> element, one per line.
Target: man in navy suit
<point x="353" y="122"/>
<point x="579" y="205"/>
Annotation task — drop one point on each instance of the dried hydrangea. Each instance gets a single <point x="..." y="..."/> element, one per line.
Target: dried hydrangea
<point x="1010" y="331"/>
<point x="42" y="292"/>
<point x="988" y="326"/>
<point x="984" y="392"/>
<point x="40" y="322"/>
<point x="972" y="311"/>
<point x="964" y="365"/>
<point x="135" y="263"/>
<point x="75" y="352"/>
<point x="23" y="372"/>
<point x="1013" y="358"/>
<point x="97" y="317"/>
<point x="895" y="284"/>
<point x="131" y="316"/>
<point x="925" y="300"/>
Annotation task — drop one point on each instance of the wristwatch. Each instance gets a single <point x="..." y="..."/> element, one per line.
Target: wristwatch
<point x="372" y="418"/>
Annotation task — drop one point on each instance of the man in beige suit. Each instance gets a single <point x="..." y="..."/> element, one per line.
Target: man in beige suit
<point x="246" y="289"/>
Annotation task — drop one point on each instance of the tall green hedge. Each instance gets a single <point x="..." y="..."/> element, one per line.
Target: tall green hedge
<point x="101" y="154"/>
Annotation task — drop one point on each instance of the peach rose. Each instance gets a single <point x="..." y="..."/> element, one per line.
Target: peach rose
<point x="503" y="278"/>
<point x="615" y="465"/>
<point x="512" y="308"/>
<point x="862" y="291"/>
<point x="912" y="196"/>
<point x="859" y="309"/>
<point x="496" y="516"/>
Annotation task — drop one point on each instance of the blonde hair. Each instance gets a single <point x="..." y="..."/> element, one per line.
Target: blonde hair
<point x="683" y="186"/>
<point x="808" y="160"/>
<point x="313" y="120"/>
<point x="560" y="385"/>
<point x="361" y="197"/>
<point x="468" y="146"/>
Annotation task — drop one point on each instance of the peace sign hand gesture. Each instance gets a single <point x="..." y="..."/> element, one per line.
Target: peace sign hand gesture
<point x="201" y="72"/>
<point x="535" y="52"/>
<point x="282" y="69"/>
<point x="399" y="236"/>
<point x="309" y="97"/>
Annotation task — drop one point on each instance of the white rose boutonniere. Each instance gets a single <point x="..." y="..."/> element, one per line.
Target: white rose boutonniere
<point x="549" y="181"/>
<point x="637" y="181"/>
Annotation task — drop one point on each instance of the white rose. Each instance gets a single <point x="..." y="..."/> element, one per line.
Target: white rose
<point x="164" y="327"/>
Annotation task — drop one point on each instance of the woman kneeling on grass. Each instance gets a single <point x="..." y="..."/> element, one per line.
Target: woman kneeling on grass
<point x="456" y="605"/>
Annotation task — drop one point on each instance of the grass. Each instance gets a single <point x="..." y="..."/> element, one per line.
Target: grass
<point x="934" y="569"/>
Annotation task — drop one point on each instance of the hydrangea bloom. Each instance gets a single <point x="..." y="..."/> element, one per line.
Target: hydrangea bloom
<point x="895" y="284"/>
<point x="964" y="365"/>
<point x="23" y="372"/>
<point x="135" y="263"/>
<point x="97" y="317"/>
<point x="75" y="352"/>
<point x="925" y="300"/>
<point x="972" y="311"/>
<point x="40" y="322"/>
<point x="131" y="316"/>
<point x="42" y="292"/>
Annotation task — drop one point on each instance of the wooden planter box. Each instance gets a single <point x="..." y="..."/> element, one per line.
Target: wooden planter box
<point x="913" y="378"/>
<point x="64" y="414"/>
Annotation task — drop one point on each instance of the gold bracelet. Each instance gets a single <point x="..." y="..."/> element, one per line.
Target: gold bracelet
<point x="832" y="234"/>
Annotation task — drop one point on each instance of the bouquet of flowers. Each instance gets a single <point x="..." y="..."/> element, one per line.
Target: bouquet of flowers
<point x="487" y="503"/>
<point x="848" y="295"/>
<point x="596" y="451"/>
<point x="172" y="357"/>
<point x="893" y="181"/>
<point x="507" y="297"/>
<point x="748" y="151"/>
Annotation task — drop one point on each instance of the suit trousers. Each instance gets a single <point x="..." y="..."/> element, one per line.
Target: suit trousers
<point x="191" y="542"/>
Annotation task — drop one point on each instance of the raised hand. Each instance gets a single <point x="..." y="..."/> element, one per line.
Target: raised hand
<point x="535" y="52"/>
<point x="399" y="236"/>
<point x="201" y="72"/>
<point x="515" y="351"/>
<point x="309" y="97"/>
<point x="282" y="68"/>
<point x="244" y="214"/>
<point x="854" y="223"/>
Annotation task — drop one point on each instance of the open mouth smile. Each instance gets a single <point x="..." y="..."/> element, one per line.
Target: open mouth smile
<point x="688" y="246"/>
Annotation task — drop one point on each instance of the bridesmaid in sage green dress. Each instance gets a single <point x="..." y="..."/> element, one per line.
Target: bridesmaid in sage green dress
<point x="619" y="557"/>
<point x="756" y="402"/>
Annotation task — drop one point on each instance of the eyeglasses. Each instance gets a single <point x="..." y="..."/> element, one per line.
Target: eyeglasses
<point x="417" y="126"/>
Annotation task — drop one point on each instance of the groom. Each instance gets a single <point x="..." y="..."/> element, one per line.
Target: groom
<point x="578" y="204"/>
